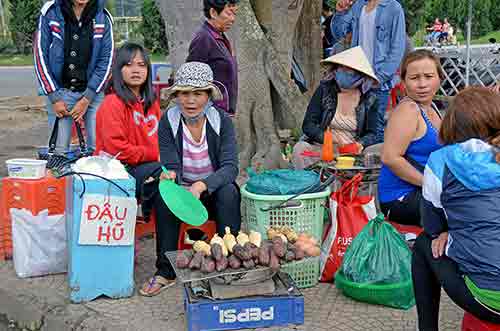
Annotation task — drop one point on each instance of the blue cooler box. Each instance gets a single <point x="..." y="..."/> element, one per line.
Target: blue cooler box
<point x="95" y="270"/>
<point x="243" y="313"/>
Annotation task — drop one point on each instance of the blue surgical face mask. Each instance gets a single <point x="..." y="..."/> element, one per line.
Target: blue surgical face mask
<point x="194" y="119"/>
<point x="347" y="80"/>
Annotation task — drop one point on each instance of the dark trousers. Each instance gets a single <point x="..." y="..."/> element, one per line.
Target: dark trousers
<point x="406" y="211"/>
<point x="382" y="103"/>
<point x="223" y="207"/>
<point x="429" y="275"/>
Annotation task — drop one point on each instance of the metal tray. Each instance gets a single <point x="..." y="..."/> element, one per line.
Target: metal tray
<point x="188" y="275"/>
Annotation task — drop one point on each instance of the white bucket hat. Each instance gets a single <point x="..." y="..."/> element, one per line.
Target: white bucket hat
<point x="194" y="76"/>
<point x="354" y="58"/>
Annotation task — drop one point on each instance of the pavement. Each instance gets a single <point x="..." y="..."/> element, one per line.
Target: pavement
<point x="43" y="304"/>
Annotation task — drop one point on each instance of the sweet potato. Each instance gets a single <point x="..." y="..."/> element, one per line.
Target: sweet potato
<point x="299" y="253"/>
<point x="248" y="264"/>
<point x="274" y="261"/>
<point x="183" y="258"/>
<point x="234" y="262"/>
<point x="216" y="251"/>
<point x="253" y="249"/>
<point x="264" y="255"/>
<point x="279" y="246"/>
<point x="207" y="265"/>
<point x="241" y="253"/>
<point x="222" y="264"/>
<point x="195" y="263"/>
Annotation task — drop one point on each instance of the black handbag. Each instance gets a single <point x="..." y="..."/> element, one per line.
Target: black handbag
<point x="60" y="161"/>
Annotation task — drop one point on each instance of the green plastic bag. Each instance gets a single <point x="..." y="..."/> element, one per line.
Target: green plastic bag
<point x="377" y="267"/>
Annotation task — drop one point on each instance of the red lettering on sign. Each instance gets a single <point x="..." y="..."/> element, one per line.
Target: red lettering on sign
<point x="106" y="234"/>
<point x="92" y="212"/>
<point x="118" y="217"/>
<point x="118" y="228"/>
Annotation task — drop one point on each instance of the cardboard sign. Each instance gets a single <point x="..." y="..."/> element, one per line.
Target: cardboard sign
<point x="107" y="220"/>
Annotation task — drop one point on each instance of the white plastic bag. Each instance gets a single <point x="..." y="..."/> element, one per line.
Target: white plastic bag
<point x="39" y="243"/>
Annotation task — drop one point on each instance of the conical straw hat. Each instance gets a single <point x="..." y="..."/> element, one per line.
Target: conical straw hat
<point x="353" y="58"/>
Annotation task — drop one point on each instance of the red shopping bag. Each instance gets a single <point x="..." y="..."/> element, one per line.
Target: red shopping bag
<point x="349" y="214"/>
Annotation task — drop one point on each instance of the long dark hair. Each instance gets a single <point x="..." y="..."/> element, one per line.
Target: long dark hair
<point x="117" y="85"/>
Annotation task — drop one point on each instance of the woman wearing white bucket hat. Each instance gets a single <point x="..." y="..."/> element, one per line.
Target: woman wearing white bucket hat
<point x="198" y="148"/>
<point x="344" y="104"/>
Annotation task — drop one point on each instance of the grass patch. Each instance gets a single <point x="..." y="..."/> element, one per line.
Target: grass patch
<point x="419" y="37"/>
<point x="157" y="57"/>
<point x="16" y="60"/>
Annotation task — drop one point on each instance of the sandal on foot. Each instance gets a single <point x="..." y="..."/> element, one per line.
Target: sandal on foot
<point x="155" y="285"/>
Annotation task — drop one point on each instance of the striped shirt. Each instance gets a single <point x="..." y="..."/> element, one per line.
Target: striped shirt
<point x="196" y="164"/>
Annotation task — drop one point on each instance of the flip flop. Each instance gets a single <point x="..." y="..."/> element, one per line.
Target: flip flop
<point x="155" y="281"/>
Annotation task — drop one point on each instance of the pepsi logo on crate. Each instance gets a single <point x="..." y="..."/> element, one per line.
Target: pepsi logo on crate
<point x="253" y="314"/>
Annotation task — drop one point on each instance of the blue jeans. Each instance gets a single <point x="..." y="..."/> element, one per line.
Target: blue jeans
<point x="382" y="103"/>
<point x="65" y="123"/>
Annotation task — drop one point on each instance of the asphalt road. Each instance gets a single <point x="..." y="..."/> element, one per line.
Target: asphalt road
<point x="17" y="81"/>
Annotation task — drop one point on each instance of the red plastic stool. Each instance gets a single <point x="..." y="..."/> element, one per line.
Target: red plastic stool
<point x="208" y="228"/>
<point x="145" y="227"/>
<point x="472" y="323"/>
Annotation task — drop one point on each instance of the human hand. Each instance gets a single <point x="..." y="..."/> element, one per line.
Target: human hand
<point x="439" y="244"/>
<point x="343" y="5"/>
<point x="360" y="147"/>
<point x="197" y="189"/>
<point x="168" y="175"/>
<point x="496" y="88"/>
<point x="60" y="109"/>
<point x="79" y="109"/>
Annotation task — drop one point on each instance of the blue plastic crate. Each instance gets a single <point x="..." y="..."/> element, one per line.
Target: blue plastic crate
<point x="96" y="270"/>
<point x="243" y="313"/>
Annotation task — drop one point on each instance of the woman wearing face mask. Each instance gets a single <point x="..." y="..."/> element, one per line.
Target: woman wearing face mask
<point x="344" y="104"/>
<point x="197" y="144"/>
<point x="410" y="137"/>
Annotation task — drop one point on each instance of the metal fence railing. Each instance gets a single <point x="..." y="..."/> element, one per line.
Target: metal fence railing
<point x="484" y="67"/>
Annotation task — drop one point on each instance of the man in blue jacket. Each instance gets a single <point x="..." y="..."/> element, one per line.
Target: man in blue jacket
<point x="73" y="53"/>
<point x="378" y="26"/>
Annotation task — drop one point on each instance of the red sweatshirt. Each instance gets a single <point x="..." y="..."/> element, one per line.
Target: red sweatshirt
<point x="126" y="129"/>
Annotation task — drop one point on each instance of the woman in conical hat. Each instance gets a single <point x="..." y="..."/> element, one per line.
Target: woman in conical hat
<point x="344" y="104"/>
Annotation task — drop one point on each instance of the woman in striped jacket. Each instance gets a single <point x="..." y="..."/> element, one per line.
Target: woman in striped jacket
<point x="198" y="147"/>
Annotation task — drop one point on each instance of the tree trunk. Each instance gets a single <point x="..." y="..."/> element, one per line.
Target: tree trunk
<point x="265" y="36"/>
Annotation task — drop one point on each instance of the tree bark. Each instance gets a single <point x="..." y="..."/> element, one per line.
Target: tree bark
<point x="265" y="37"/>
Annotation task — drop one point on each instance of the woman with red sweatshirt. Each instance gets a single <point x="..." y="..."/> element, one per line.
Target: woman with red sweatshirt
<point x="127" y="120"/>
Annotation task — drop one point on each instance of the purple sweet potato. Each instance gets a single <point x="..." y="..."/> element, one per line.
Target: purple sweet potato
<point x="234" y="262"/>
<point x="195" y="263"/>
<point x="207" y="265"/>
<point x="241" y="253"/>
<point x="274" y="261"/>
<point x="249" y="264"/>
<point x="222" y="264"/>
<point x="252" y="249"/>
<point x="216" y="251"/>
<point x="264" y="252"/>
<point x="279" y="247"/>
<point x="183" y="258"/>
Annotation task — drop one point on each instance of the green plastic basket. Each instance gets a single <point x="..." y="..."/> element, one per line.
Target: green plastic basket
<point x="397" y="295"/>
<point x="306" y="217"/>
<point x="305" y="273"/>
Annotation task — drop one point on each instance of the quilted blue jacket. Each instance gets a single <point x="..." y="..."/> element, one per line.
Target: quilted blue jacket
<point x="48" y="51"/>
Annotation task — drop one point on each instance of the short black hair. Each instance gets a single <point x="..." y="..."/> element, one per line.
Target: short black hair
<point x="117" y="85"/>
<point x="326" y="6"/>
<point x="218" y="5"/>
